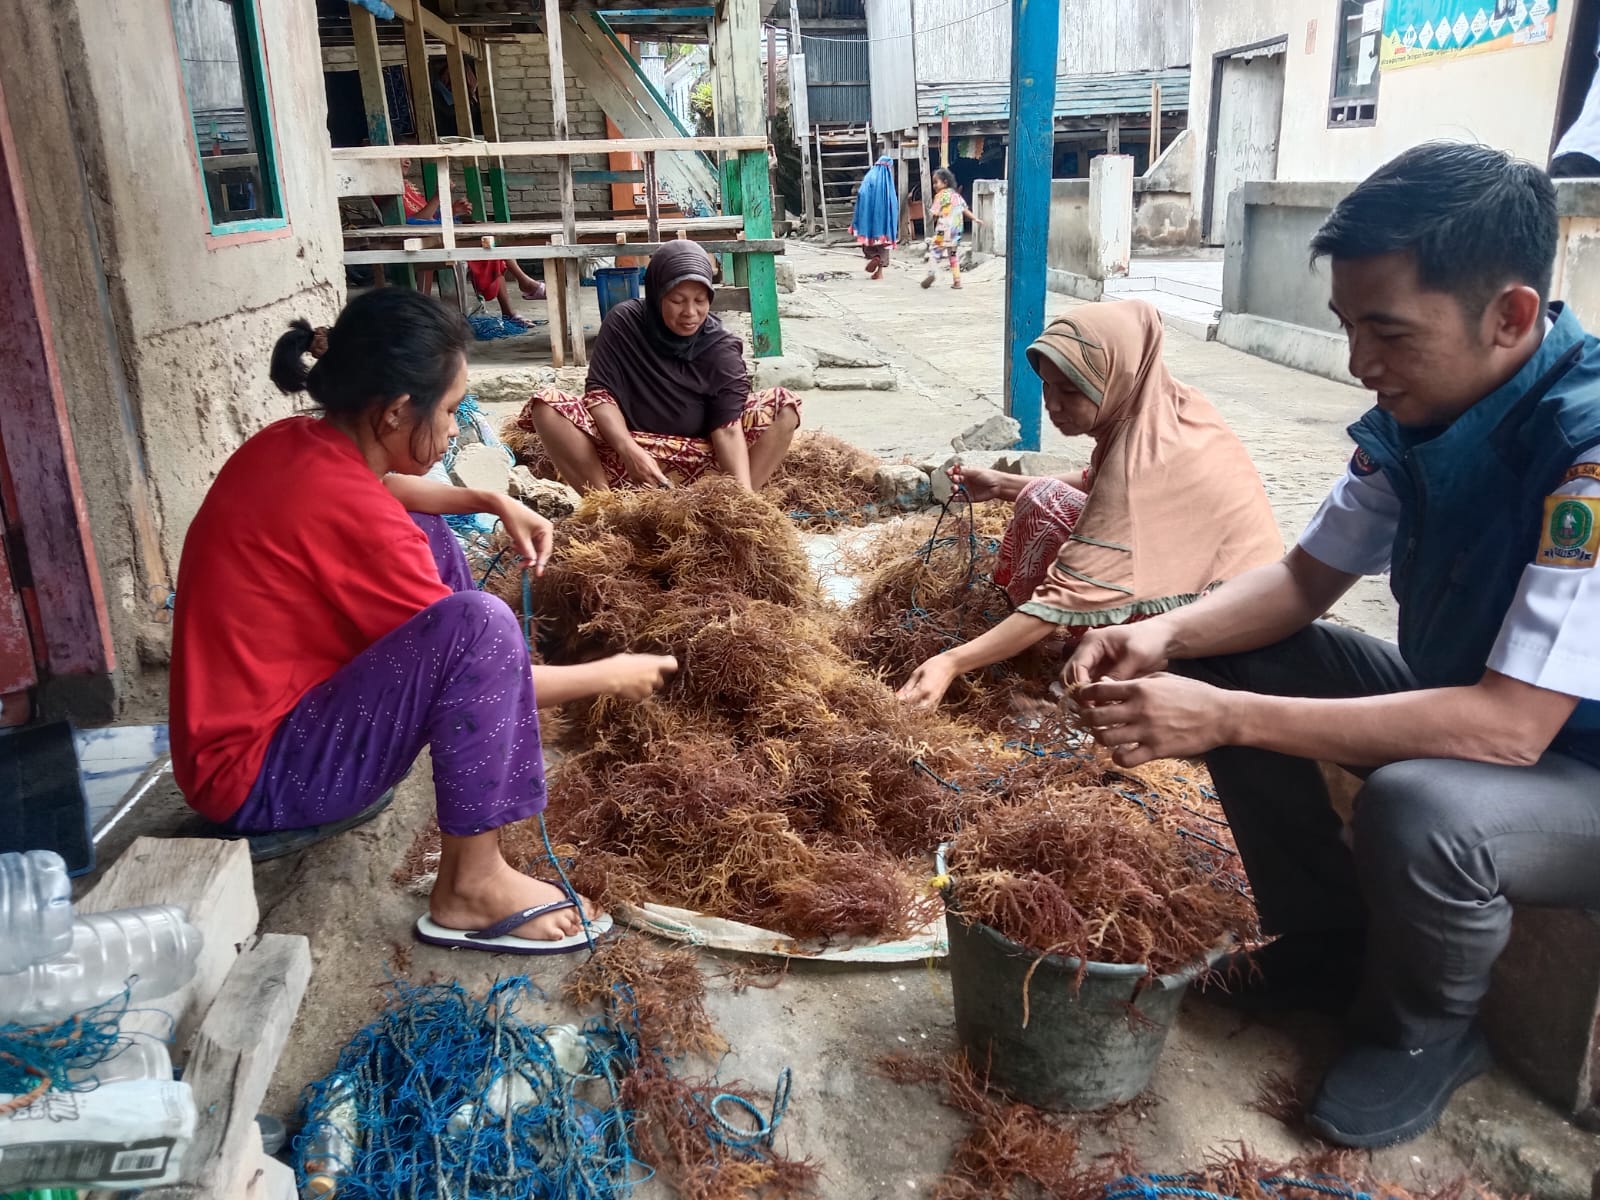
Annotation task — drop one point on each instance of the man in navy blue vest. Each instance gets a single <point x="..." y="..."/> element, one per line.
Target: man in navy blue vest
<point x="1476" y="485"/>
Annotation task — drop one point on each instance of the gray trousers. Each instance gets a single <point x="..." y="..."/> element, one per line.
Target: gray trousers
<point x="1440" y="849"/>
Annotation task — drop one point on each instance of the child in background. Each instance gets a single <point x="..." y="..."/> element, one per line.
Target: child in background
<point x="949" y="214"/>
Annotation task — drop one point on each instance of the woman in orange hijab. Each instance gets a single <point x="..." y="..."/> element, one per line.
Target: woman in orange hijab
<point x="1170" y="505"/>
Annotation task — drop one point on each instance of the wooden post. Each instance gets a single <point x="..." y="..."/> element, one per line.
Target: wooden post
<point x="1155" y="124"/>
<point x="567" y="268"/>
<point x="421" y="89"/>
<point x="741" y="21"/>
<point x="1035" y="28"/>
<point x="822" y="182"/>
<point x="1113" y="134"/>
<point x="462" y="94"/>
<point x="926" y="176"/>
<point x="652" y="198"/>
<point x="772" y="79"/>
<point x="902" y="171"/>
<point x="498" y="194"/>
<point x="555" y="291"/>
<point x="369" y="64"/>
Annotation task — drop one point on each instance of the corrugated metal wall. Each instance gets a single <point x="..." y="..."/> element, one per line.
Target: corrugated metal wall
<point x="960" y="40"/>
<point x="970" y="40"/>
<point x="838" y="88"/>
<point x="1099" y="36"/>
<point x="894" y="84"/>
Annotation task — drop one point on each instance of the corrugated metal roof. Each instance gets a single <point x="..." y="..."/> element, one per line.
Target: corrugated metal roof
<point x="1076" y="95"/>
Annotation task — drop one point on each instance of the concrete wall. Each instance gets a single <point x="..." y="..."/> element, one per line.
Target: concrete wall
<point x="163" y="332"/>
<point x="1275" y="302"/>
<point x="1070" y="247"/>
<point x="989" y="206"/>
<point x="522" y="97"/>
<point x="1462" y="99"/>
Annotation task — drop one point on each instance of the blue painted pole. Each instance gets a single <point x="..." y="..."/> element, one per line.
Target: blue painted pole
<point x="1035" y="26"/>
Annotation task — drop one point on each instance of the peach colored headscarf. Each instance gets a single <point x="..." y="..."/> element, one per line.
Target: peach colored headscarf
<point x="1175" y="504"/>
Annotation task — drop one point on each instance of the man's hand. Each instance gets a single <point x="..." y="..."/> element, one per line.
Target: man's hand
<point x="928" y="683"/>
<point x="636" y="676"/>
<point x="1162" y="716"/>
<point x="532" y="537"/>
<point x="1117" y="652"/>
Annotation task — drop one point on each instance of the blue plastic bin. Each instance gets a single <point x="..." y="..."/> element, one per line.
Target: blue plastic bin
<point x="613" y="285"/>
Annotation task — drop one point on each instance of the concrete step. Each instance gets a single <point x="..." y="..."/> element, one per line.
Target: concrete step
<point x="855" y="379"/>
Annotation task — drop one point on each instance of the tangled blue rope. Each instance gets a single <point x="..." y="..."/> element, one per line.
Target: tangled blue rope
<point x="31" y="1055"/>
<point x="445" y="1094"/>
<point x="1276" y="1187"/>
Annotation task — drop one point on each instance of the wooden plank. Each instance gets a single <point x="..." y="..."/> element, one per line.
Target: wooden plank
<point x="447" y="217"/>
<point x="413" y="244"/>
<point x="902" y="169"/>
<point x="652" y="199"/>
<point x="551" y="148"/>
<point x="420" y="83"/>
<point x="499" y="194"/>
<point x="731" y="299"/>
<point x="1031" y="146"/>
<point x="233" y="1057"/>
<point x="210" y="880"/>
<point x="271" y="1180"/>
<point x="611" y="226"/>
<point x="433" y="255"/>
<point x="369" y="64"/>
<point x="39" y="482"/>
<point x="368" y="179"/>
<point x="456" y="59"/>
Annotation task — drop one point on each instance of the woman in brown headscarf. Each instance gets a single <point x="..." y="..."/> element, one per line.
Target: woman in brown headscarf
<point x="668" y="397"/>
<point x="1170" y="505"/>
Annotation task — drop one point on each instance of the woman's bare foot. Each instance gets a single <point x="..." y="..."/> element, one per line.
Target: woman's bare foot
<point x="476" y="903"/>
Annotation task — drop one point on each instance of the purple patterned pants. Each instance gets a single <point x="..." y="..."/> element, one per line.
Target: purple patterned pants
<point x="454" y="678"/>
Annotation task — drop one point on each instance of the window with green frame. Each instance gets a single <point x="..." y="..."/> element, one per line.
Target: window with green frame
<point x="225" y="83"/>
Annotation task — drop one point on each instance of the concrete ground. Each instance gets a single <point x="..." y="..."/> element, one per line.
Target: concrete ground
<point x="875" y="1139"/>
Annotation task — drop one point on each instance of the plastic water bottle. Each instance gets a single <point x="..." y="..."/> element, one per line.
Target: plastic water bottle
<point x="142" y="1058"/>
<point x="152" y="948"/>
<point x="331" y="1140"/>
<point x="35" y="909"/>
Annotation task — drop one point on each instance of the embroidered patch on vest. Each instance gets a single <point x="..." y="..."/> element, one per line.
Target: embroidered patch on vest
<point x="1582" y="471"/>
<point x="1571" y="536"/>
<point x="1361" y="464"/>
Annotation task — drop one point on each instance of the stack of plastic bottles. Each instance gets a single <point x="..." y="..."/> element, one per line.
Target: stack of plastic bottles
<point x="83" y="1103"/>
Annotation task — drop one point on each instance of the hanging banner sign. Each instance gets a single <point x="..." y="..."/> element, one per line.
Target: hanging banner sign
<point x="1428" y="31"/>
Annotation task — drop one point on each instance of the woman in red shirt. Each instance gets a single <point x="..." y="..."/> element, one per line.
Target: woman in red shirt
<point x="327" y="627"/>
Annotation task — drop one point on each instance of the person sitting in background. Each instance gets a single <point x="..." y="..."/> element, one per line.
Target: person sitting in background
<point x="876" y="223"/>
<point x="327" y="627"/>
<point x="1577" y="154"/>
<point x="1170" y="505"/>
<point x="668" y="395"/>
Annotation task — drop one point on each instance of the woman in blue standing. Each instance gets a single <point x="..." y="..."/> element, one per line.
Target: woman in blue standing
<point x="876" y="223"/>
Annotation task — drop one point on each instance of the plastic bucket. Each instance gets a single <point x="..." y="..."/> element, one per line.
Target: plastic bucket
<point x="613" y="285"/>
<point x="1083" y="1048"/>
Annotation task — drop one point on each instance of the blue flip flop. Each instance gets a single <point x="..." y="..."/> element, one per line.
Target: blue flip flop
<point x="498" y="938"/>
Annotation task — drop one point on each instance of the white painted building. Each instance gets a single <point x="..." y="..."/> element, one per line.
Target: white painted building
<point x="1328" y="90"/>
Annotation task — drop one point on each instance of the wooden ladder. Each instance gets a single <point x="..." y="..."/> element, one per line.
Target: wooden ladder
<point x="844" y="155"/>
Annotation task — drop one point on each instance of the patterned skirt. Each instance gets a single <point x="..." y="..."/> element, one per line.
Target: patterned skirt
<point x="1046" y="512"/>
<point x="682" y="459"/>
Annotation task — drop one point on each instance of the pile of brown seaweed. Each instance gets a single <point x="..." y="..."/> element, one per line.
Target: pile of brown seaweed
<point x="775" y="780"/>
<point x="1014" y="1150"/>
